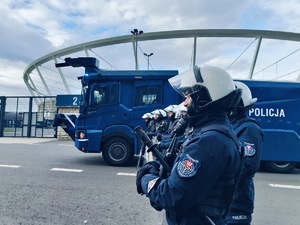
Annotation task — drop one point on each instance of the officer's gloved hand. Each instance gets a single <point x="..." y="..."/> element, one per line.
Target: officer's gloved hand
<point x="159" y="137"/>
<point x="151" y="167"/>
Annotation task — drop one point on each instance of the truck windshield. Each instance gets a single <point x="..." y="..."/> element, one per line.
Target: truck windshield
<point x="83" y="99"/>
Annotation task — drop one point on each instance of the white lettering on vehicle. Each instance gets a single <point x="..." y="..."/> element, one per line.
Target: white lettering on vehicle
<point x="239" y="217"/>
<point x="267" y="112"/>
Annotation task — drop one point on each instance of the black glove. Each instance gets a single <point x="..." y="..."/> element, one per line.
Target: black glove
<point x="159" y="137"/>
<point x="150" y="167"/>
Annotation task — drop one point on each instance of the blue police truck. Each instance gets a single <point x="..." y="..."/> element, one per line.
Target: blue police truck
<point x="277" y="111"/>
<point x="113" y="102"/>
<point x="111" y="106"/>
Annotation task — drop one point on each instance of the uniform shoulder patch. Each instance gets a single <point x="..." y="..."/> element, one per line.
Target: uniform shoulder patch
<point x="187" y="166"/>
<point x="249" y="149"/>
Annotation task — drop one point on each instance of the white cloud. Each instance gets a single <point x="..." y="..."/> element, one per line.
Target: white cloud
<point x="33" y="28"/>
<point x="11" y="80"/>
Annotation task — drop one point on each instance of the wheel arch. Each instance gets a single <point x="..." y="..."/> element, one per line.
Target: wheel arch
<point x="121" y="131"/>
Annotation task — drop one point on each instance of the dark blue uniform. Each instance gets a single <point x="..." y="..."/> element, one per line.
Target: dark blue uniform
<point x="251" y="136"/>
<point x="161" y="127"/>
<point x="203" y="177"/>
<point x="150" y="126"/>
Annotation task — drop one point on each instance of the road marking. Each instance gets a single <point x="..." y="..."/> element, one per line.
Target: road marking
<point x="285" y="186"/>
<point x="126" y="174"/>
<point x="10" y="166"/>
<point x="66" y="170"/>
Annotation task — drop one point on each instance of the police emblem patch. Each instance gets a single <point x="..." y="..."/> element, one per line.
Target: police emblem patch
<point x="249" y="149"/>
<point x="187" y="167"/>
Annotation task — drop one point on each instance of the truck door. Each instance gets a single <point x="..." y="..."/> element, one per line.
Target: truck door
<point x="101" y="112"/>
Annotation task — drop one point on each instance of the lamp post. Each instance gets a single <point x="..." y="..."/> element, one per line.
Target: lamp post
<point x="148" y="58"/>
<point x="136" y="33"/>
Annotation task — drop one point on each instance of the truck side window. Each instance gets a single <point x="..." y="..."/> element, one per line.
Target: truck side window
<point x="99" y="96"/>
<point x="105" y="95"/>
<point x="146" y="95"/>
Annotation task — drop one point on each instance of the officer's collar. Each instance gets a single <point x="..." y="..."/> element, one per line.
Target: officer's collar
<point x="207" y="118"/>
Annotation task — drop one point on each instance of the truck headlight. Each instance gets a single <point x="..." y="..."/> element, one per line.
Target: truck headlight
<point x="82" y="135"/>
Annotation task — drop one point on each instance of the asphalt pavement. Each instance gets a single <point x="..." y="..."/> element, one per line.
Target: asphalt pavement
<point x="47" y="181"/>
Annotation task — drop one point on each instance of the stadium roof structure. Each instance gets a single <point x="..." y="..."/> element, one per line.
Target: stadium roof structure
<point x="42" y="78"/>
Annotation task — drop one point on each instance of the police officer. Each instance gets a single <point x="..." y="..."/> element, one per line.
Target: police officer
<point x="171" y="110"/>
<point x="178" y="128"/>
<point x="200" y="187"/>
<point x="181" y="113"/>
<point x="150" y="124"/>
<point x="161" y="123"/>
<point x="251" y="137"/>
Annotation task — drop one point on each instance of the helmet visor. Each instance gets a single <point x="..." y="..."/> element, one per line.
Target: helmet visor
<point x="185" y="82"/>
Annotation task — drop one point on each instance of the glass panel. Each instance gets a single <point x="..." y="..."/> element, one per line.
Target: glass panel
<point x="105" y="95"/>
<point x="17" y="117"/>
<point x="146" y="95"/>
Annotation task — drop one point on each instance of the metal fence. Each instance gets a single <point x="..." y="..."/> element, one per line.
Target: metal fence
<point x="27" y="116"/>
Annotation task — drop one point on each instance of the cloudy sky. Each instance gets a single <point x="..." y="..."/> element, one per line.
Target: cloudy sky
<point x="31" y="29"/>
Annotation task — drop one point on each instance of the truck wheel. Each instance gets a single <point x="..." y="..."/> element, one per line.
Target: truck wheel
<point x="280" y="167"/>
<point x="117" y="151"/>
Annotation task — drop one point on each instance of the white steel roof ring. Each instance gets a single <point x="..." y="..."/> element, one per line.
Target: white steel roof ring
<point x="233" y="33"/>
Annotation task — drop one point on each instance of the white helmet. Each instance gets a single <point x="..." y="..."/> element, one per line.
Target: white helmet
<point x="218" y="82"/>
<point x="246" y="99"/>
<point x="160" y="112"/>
<point x="147" y="115"/>
<point x="180" y="110"/>
<point x="206" y="86"/>
<point x="181" y="107"/>
<point x="171" y="108"/>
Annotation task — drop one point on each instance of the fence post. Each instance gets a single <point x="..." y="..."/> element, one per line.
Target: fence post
<point x="2" y="114"/>
<point x="29" y="118"/>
